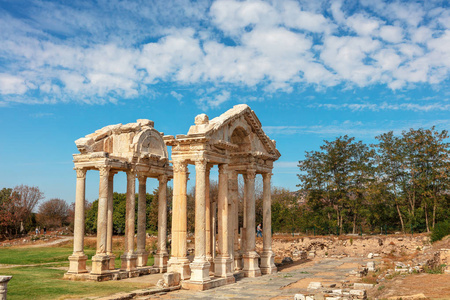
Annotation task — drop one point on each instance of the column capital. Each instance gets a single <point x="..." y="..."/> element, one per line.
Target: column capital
<point x="180" y="166"/>
<point x="131" y="172"/>
<point x="104" y="170"/>
<point x="163" y="178"/>
<point x="251" y="174"/>
<point x="223" y="168"/>
<point x="81" y="172"/>
<point x="267" y="175"/>
<point x="201" y="164"/>
<point x="142" y="178"/>
<point x="233" y="174"/>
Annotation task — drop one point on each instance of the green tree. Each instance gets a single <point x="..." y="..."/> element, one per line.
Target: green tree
<point x="336" y="177"/>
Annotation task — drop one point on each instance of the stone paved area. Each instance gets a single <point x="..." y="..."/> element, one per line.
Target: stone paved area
<point x="282" y="285"/>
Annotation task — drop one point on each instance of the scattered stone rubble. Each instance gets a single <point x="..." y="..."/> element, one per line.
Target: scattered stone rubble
<point x="316" y="291"/>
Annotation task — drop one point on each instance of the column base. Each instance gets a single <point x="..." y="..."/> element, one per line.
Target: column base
<point x="141" y="259"/>
<point x="112" y="261"/>
<point x="211" y="263"/>
<point x="238" y="264"/>
<point x="223" y="267"/>
<point x="100" y="264"/>
<point x="128" y="262"/>
<point x="160" y="262"/>
<point x="181" y="266"/>
<point x="200" y="271"/>
<point x="251" y="268"/>
<point x="77" y="264"/>
<point x="268" y="263"/>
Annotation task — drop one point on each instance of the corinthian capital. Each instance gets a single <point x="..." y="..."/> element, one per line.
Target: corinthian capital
<point x="163" y="178"/>
<point x="81" y="172"/>
<point x="104" y="170"/>
<point x="200" y="164"/>
<point x="180" y="166"/>
<point x="251" y="174"/>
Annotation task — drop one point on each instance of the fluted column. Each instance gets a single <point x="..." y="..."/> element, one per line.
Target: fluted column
<point x="234" y="195"/>
<point x="267" y="257"/>
<point x="100" y="262"/>
<point x="200" y="266"/>
<point x="129" y="257"/>
<point x="251" y="268"/>
<point x="223" y="264"/>
<point x="109" y="242"/>
<point x="178" y="262"/>
<point x="78" y="258"/>
<point x="208" y="222"/>
<point x="162" y="255"/>
<point x="142" y="255"/>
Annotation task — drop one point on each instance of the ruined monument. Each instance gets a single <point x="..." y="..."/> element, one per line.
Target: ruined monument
<point x="139" y="150"/>
<point x="236" y="143"/>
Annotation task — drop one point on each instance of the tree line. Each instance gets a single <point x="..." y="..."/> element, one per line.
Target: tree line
<point x="400" y="183"/>
<point x="402" y="180"/>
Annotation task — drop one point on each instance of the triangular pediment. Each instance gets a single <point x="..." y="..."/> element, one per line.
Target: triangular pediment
<point x="237" y="126"/>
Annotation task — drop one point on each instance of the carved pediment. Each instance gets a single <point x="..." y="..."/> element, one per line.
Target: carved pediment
<point x="238" y="130"/>
<point x="132" y="140"/>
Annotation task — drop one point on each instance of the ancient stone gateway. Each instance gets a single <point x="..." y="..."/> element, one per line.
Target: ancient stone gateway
<point x="236" y="143"/>
<point x="139" y="150"/>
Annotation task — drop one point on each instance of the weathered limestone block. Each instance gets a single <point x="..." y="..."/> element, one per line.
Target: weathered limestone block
<point x="171" y="279"/>
<point x="362" y="286"/>
<point x="314" y="285"/>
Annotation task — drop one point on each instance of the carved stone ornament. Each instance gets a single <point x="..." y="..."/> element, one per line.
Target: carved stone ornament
<point x="251" y="174"/>
<point x="104" y="170"/>
<point x="180" y="166"/>
<point x="163" y="178"/>
<point x="201" y="164"/>
<point x="223" y="168"/>
<point x="81" y="172"/>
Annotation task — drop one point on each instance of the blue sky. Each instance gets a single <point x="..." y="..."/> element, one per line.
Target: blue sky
<point x="311" y="70"/>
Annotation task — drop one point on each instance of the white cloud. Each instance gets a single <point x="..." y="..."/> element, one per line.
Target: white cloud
<point x="176" y="95"/>
<point x="392" y="34"/>
<point x="213" y="101"/>
<point x="10" y="84"/>
<point x="123" y="49"/>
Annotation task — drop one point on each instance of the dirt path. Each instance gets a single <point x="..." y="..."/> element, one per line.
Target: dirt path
<point x="58" y="241"/>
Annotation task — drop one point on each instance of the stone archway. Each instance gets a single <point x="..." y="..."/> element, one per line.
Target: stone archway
<point x="236" y="143"/>
<point x="138" y="150"/>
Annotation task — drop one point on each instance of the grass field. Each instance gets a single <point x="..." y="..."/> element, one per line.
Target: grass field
<point x="38" y="274"/>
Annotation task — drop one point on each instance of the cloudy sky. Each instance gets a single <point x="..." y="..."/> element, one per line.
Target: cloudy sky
<point x="311" y="70"/>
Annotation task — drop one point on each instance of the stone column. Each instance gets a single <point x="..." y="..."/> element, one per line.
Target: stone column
<point x="162" y="255"/>
<point x="208" y="222"/>
<point x="78" y="258"/>
<point x="4" y="286"/>
<point x="200" y="266"/>
<point x="100" y="261"/>
<point x="234" y="195"/>
<point x="129" y="257"/>
<point x="243" y="245"/>
<point x="178" y="262"/>
<point x="251" y="268"/>
<point x="109" y="240"/>
<point x="267" y="257"/>
<point x="142" y="255"/>
<point x="223" y="264"/>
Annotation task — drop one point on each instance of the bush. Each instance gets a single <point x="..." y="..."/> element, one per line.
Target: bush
<point x="440" y="230"/>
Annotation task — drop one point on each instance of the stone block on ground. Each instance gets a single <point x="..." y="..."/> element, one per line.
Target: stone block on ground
<point x="362" y="286"/>
<point x="314" y="285"/>
<point x="171" y="279"/>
